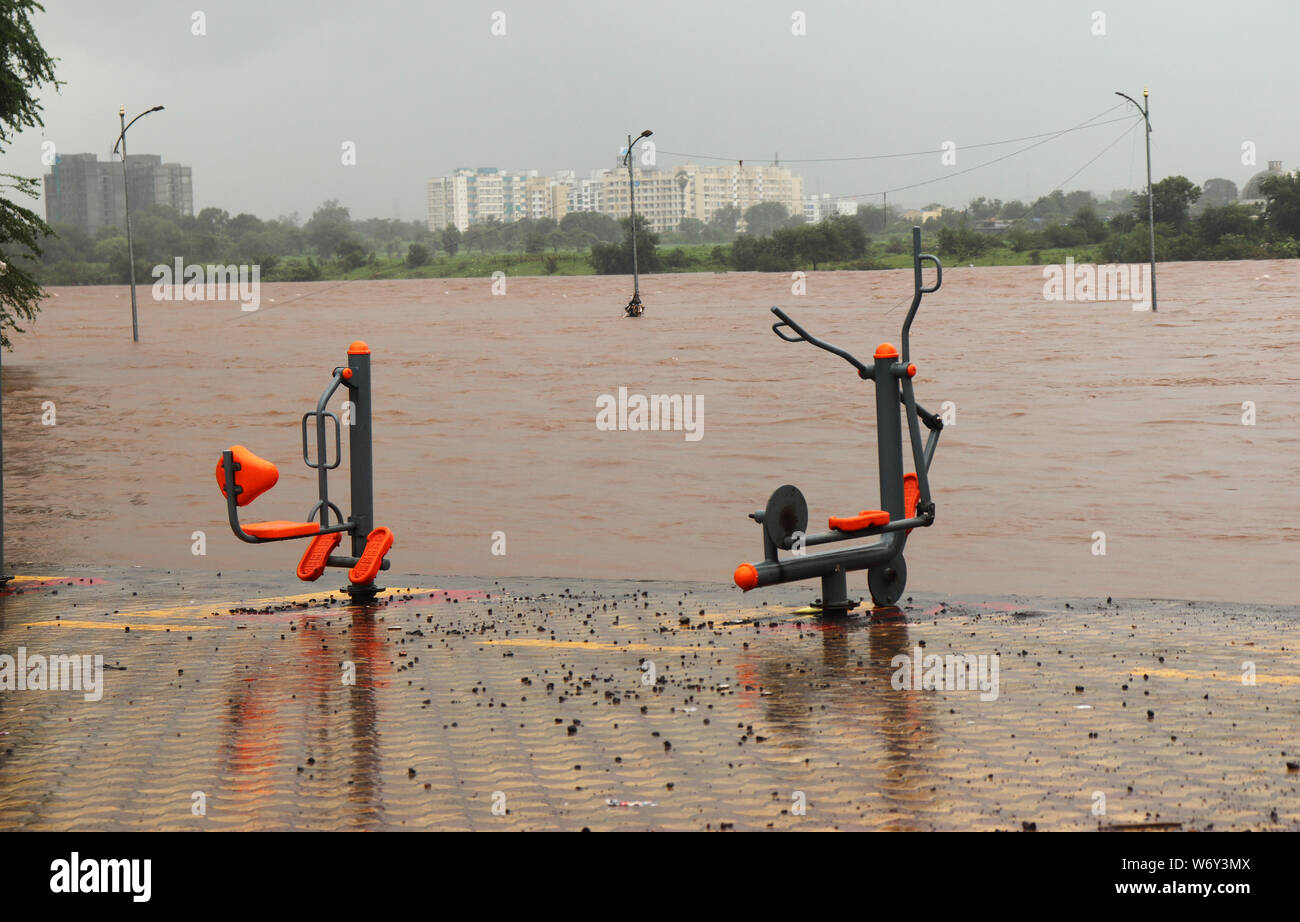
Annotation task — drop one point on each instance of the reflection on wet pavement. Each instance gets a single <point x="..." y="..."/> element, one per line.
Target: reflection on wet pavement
<point x="563" y="704"/>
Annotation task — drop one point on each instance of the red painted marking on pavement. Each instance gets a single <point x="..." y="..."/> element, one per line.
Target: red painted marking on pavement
<point x="18" y="588"/>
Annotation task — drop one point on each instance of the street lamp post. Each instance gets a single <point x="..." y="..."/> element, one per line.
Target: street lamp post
<point x="1145" y="109"/>
<point x="126" y="202"/>
<point x="634" y="307"/>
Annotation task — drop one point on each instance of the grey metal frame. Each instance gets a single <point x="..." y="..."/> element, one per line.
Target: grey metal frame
<point x="786" y="512"/>
<point x="361" y="471"/>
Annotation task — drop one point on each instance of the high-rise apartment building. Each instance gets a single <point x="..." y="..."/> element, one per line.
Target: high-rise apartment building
<point x="663" y="197"/>
<point x="742" y="187"/>
<point x="475" y="196"/>
<point x="581" y="194"/>
<point x="88" y="193"/>
<point x="547" y="198"/>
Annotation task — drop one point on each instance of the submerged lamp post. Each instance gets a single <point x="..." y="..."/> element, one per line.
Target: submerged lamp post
<point x="1145" y="109"/>
<point x="126" y="201"/>
<point x="634" y="307"/>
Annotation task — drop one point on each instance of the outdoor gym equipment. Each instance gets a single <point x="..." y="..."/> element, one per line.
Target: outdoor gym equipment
<point x="905" y="498"/>
<point x="243" y="477"/>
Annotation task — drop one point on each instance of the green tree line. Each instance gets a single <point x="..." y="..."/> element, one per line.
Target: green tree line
<point x="332" y="244"/>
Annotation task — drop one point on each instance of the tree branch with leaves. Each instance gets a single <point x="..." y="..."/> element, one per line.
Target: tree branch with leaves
<point x="26" y="68"/>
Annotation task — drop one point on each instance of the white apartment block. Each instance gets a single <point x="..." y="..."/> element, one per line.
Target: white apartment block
<point x="548" y="197"/>
<point x="817" y="208"/>
<point x="664" y="197"/>
<point x="742" y="187"/>
<point x="583" y="194"/>
<point x="475" y="196"/>
<point x="449" y="202"/>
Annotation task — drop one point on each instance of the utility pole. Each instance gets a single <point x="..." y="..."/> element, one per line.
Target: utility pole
<point x="1145" y="109"/>
<point x="126" y="202"/>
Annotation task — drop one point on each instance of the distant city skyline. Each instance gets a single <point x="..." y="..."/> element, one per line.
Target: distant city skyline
<point x="88" y="193"/>
<point x="167" y="178"/>
<point x="664" y="197"/>
<point x="265" y="102"/>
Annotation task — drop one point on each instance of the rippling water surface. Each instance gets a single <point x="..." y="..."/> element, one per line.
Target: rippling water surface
<point x="1071" y="419"/>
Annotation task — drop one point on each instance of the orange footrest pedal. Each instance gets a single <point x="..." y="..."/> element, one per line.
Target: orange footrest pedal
<point x="315" y="558"/>
<point x="911" y="496"/>
<point x="378" y="543"/>
<point x="864" y="519"/>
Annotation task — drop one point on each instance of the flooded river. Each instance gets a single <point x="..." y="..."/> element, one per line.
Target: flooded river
<point x="1072" y="421"/>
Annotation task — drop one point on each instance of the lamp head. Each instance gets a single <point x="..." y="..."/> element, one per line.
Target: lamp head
<point x="121" y="110"/>
<point x="646" y="133"/>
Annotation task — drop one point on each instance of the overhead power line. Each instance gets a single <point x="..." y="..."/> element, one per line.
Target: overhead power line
<point x="1089" y="123"/>
<point x="1124" y="134"/>
<point x="978" y="166"/>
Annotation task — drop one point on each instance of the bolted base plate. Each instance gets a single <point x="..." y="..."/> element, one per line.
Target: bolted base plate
<point x="361" y="595"/>
<point x="837" y="608"/>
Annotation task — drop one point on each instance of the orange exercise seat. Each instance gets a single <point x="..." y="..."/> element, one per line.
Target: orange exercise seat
<point x="254" y="475"/>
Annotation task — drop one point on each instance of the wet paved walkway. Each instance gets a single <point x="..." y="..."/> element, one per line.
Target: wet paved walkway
<point x="561" y="704"/>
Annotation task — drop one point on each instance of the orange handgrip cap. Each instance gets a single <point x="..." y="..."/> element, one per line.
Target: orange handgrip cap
<point x="886" y="351"/>
<point x="347" y="374"/>
<point x="911" y="371"/>
<point x="358" y="348"/>
<point x="747" y="576"/>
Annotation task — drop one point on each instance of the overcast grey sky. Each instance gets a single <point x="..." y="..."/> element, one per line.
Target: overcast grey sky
<point x="261" y="104"/>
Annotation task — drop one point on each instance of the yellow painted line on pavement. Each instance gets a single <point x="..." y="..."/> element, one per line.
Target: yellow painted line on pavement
<point x="119" y="625"/>
<point x="333" y="595"/>
<point x="222" y="607"/>
<point x="179" y="611"/>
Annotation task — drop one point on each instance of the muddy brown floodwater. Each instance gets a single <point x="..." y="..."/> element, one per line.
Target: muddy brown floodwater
<point x="1071" y="419"/>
